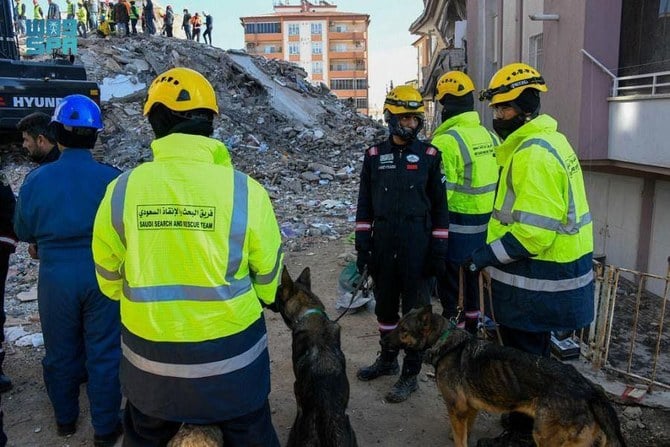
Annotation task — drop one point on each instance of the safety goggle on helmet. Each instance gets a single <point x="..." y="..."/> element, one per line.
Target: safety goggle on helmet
<point x="508" y="83"/>
<point x="404" y="99"/>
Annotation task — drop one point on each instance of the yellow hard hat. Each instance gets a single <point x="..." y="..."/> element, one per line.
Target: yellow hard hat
<point x="404" y="99"/>
<point x="508" y="83"/>
<point x="181" y="89"/>
<point x="454" y="83"/>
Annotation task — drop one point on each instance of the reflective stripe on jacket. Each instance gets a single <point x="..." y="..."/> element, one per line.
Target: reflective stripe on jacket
<point x="468" y="157"/>
<point x="540" y="237"/>
<point x="190" y="246"/>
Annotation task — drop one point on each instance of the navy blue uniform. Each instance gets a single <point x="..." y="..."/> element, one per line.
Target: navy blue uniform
<point x="402" y="219"/>
<point x="56" y="209"/>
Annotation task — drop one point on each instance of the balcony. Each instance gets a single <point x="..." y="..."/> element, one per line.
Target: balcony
<point x="638" y="121"/>
<point x="265" y="37"/>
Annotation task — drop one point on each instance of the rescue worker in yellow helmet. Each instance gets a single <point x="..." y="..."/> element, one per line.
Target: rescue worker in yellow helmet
<point x="540" y="237"/>
<point x="401" y="229"/>
<point x="192" y="250"/>
<point x="471" y="170"/>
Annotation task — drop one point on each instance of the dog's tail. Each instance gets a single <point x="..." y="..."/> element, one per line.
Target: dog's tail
<point x="606" y="418"/>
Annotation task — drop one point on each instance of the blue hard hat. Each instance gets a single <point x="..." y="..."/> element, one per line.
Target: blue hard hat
<point x="78" y="111"/>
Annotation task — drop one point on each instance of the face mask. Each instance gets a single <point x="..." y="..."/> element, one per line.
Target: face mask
<point x="406" y="133"/>
<point x="505" y="127"/>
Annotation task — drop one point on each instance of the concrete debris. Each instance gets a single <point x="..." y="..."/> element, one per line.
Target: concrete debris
<point x="297" y="139"/>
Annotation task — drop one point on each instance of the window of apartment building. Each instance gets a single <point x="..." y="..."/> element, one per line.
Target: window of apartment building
<point x="294" y="48"/>
<point x="317" y="47"/>
<point x="262" y="28"/>
<point x="361" y="103"/>
<point x="340" y="28"/>
<point x="272" y="49"/>
<point x="316" y="28"/>
<point x="664" y="8"/>
<point x="340" y="66"/>
<point x="535" y="57"/>
<point x="317" y="67"/>
<point x="348" y="84"/>
<point x="339" y="48"/>
<point x="294" y="29"/>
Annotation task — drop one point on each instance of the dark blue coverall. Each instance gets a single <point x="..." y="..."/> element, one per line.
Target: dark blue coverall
<point x="81" y="327"/>
<point x="402" y="200"/>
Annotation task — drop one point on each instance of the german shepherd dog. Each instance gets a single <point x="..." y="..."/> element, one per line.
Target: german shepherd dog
<point x="190" y="435"/>
<point x="473" y="375"/>
<point x="321" y="386"/>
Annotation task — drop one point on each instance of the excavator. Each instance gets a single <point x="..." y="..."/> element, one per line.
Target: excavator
<point x="28" y="86"/>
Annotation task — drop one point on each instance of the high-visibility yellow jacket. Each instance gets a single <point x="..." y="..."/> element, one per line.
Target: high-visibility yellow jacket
<point x="38" y="14"/>
<point x="468" y="158"/>
<point x="82" y="15"/>
<point x="190" y="247"/>
<point x="540" y="236"/>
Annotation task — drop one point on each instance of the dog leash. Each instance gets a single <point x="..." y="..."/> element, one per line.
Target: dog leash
<point x="484" y="275"/>
<point x="354" y="294"/>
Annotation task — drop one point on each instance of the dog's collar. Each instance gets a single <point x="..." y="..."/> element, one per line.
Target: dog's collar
<point x="443" y="337"/>
<point x="311" y="311"/>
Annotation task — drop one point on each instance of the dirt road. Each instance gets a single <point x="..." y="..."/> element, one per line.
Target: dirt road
<point x="420" y="421"/>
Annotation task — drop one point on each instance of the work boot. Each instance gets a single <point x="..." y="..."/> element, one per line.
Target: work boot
<point x="5" y="383"/>
<point x="401" y="390"/>
<point x="108" y="440"/>
<point x="66" y="429"/>
<point x="508" y="439"/>
<point x="380" y="367"/>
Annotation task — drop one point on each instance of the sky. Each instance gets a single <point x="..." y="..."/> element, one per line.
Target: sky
<point x="391" y="56"/>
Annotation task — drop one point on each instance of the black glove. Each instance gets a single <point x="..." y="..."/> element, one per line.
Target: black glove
<point x="363" y="260"/>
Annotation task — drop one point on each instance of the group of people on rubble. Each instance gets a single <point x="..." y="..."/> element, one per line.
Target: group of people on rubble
<point x="152" y="282"/>
<point x="121" y="18"/>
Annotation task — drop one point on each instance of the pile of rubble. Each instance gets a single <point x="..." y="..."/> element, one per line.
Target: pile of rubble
<point x="301" y="142"/>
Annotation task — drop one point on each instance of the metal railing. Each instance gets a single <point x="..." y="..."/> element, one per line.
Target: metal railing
<point x="645" y="84"/>
<point x="629" y="335"/>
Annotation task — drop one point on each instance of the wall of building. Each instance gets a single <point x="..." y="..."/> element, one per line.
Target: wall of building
<point x="481" y="64"/>
<point x="638" y="129"/>
<point x="660" y="236"/>
<point x="615" y="203"/>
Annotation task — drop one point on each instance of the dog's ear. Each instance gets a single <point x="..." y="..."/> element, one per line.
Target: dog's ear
<point x="286" y="282"/>
<point x="305" y="279"/>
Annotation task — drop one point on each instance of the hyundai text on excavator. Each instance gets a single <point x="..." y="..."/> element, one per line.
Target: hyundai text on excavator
<point x="32" y="86"/>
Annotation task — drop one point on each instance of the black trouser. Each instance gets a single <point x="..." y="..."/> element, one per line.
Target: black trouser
<point x="397" y="288"/>
<point x="537" y="343"/>
<point x="447" y="290"/>
<point x="207" y="33"/>
<point x="250" y="430"/>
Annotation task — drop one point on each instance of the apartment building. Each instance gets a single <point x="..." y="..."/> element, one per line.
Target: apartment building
<point x="607" y="67"/>
<point x="440" y="48"/>
<point x="330" y="45"/>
